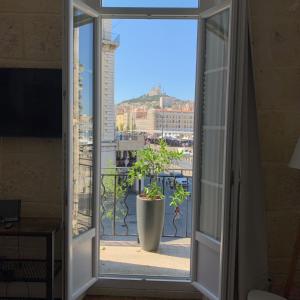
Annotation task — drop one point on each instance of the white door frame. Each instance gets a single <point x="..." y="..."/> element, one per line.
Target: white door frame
<point x="92" y="234"/>
<point x="93" y="8"/>
<point x="223" y="246"/>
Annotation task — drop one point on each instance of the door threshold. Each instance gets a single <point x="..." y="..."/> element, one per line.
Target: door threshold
<point x="171" y="288"/>
<point x="161" y="278"/>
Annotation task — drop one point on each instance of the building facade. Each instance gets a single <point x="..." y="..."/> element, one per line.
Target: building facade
<point x="165" y="121"/>
<point x="108" y="143"/>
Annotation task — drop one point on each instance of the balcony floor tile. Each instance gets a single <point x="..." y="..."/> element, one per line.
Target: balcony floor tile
<point x="124" y="256"/>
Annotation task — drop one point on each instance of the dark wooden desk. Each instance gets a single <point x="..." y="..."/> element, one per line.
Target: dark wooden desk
<point x="40" y="228"/>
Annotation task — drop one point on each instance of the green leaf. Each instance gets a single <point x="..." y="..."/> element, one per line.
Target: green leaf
<point x="179" y="196"/>
<point x="150" y="163"/>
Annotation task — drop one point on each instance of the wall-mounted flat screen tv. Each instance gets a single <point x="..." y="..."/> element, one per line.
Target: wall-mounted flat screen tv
<point x="30" y="103"/>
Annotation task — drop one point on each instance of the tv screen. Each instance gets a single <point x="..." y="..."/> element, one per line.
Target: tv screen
<point x="31" y="102"/>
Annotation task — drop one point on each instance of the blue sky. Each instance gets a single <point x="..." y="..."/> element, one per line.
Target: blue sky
<point x="155" y="52"/>
<point x="151" y="53"/>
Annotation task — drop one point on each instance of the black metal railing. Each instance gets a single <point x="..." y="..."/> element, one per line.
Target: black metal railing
<point x="118" y="203"/>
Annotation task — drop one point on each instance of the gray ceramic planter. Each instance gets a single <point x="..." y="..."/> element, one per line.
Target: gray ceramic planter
<point x="150" y="222"/>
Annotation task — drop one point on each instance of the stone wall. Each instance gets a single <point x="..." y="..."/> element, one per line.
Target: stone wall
<point x="31" y="168"/>
<point x="275" y="31"/>
<point x="30" y="33"/>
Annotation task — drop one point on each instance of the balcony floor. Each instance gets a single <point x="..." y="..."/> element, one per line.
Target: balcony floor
<point x="124" y="256"/>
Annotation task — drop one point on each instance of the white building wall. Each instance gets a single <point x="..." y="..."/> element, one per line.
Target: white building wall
<point x="108" y="144"/>
<point x="167" y="121"/>
<point x="108" y="107"/>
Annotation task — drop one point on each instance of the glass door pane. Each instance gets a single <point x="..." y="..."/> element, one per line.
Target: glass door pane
<point x="151" y="3"/>
<point x="81" y="147"/>
<point x="191" y="4"/>
<point x="83" y="122"/>
<point x="211" y="147"/>
<point x="214" y="123"/>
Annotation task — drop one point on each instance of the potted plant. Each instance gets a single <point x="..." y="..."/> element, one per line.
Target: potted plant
<point x="150" y="203"/>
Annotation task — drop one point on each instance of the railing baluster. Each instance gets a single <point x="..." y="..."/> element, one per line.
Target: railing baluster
<point x="102" y="205"/>
<point x="127" y="208"/>
<point x="187" y="210"/>
<point x="174" y="222"/>
<point x="114" y="207"/>
<point x="163" y="187"/>
<point x="140" y="186"/>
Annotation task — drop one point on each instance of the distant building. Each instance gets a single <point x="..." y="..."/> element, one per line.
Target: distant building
<point x="166" y="121"/>
<point x="166" y="101"/>
<point x="155" y="91"/>
<point x="85" y="128"/>
<point x="164" y="114"/>
<point x="120" y="121"/>
<point x="108" y="142"/>
<point x="125" y="120"/>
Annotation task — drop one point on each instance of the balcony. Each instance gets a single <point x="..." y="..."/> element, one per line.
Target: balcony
<point x="120" y="252"/>
<point x="122" y="256"/>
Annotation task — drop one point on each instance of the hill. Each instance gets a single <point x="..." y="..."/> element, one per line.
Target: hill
<point x="152" y="101"/>
<point x="143" y="98"/>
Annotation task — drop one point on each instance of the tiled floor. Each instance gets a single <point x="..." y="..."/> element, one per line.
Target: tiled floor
<point x="125" y="257"/>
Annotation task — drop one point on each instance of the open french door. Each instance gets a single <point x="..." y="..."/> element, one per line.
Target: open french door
<point x="212" y="140"/>
<point x="81" y="146"/>
<point x="212" y="152"/>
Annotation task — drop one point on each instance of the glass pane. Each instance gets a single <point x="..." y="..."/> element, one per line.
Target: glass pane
<point x="150" y="3"/>
<point x="213" y="155"/>
<point x="83" y="122"/>
<point x="213" y="114"/>
<point x="214" y="105"/>
<point x="212" y="209"/>
<point x="216" y="43"/>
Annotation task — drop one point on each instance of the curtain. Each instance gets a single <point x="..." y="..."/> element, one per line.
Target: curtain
<point x="249" y="264"/>
<point x="251" y="229"/>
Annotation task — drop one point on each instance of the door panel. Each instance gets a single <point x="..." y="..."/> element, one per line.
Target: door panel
<point x="208" y="253"/>
<point x="211" y="145"/>
<point x="83" y="122"/>
<point x="82" y="150"/>
<point x="82" y="262"/>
